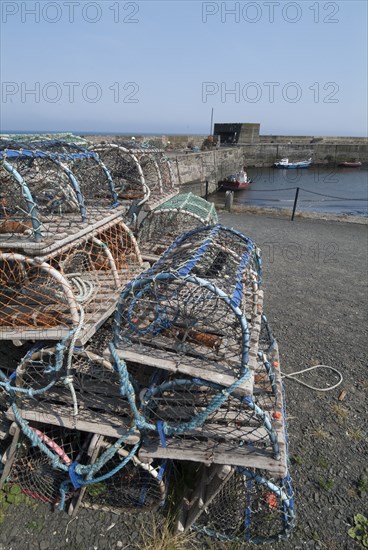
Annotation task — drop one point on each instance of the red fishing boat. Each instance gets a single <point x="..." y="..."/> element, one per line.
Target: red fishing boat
<point x="235" y="182"/>
<point x="349" y="164"/>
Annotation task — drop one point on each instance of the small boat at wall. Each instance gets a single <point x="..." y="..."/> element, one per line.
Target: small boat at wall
<point x="235" y="182"/>
<point x="349" y="164"/>
<point x="284" y="163"/>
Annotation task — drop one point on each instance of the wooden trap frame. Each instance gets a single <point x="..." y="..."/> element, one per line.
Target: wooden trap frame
<point x="40" y="297"/>
<point x="243" y="431"/>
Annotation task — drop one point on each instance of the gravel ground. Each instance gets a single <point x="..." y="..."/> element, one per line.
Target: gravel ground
<point x="314" y="278"/>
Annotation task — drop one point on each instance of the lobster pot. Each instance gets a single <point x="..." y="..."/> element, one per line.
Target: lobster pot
<point x="94" y="180"/>
<point x="166" y="186"/>
<point x="166" y="222"/>
<point x="82" y="393"/>
<point x="36" y="195"/>
<point x="134" y="487"/>
<point x="199" y="421"/>
<point x="41" y="298"/>
<point x="16" y="141"/>
<point x="197" y="310"/>
<point x="220" y="255"/>
<point x="146" y="148"/>
<point x="32" y="470"/>
<point x="140" y="173"/>
<point x="251" y="506"/>
<point x="44" y="203"/>
<point x="125" y="171"/>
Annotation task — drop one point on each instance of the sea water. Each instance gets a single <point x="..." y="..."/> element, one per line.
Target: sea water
<point x="321" y="189"/>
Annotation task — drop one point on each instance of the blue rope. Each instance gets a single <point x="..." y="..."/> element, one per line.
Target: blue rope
<point x="161" y="433"/>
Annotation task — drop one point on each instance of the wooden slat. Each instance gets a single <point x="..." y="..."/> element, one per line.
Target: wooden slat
<point x="86" y="421"/>
<point x="178" y="364"/>
<point x="209" y="453"/>
<point x="54" y="240"/>
<point x="9" y="457"/>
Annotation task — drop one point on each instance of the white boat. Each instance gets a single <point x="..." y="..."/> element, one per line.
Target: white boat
<point x="284" y="163"/>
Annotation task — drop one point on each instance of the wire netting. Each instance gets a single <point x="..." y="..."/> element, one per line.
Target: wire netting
<point x="93" y="178"/>
<point x="29" y="139"/>
<point x="125" y="170"/>
<point x="47" y="292"/>
<point x="85" y="393"/>
<point x="166" y="222"/>
<point x="199" y="417"/>
<point x="165" y="316"/>
<point x="200" y="300"/>
<point x="34" y="472"/>
<point x="139" y="172"/>
<point x="249" y="508"/>
<point x="136" y="486"/>
<point x="123" y="247"/>
<point x="56" y="194"/>
<point x="217" y="254"/>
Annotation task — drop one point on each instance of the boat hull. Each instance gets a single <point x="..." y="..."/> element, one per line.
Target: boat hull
<point x="291" y="166"/>
<point x="233" y="185"/>
<point x="349" y="165"/>
<point x="286" y="165"/>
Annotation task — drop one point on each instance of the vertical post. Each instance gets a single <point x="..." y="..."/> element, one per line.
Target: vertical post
<point x="229" y="199"/>
<point x="211" y="122"/>
<point x="295" y="203"/>
<point x="206" y="194"/>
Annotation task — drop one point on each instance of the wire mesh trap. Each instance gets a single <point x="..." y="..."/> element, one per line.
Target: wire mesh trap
<point x="19" y="140"/>
<point x="80" y="391"/>
<point x="218" y="254"/>
<point x="166" y="222"/>
<point x="136" y="486"/>
<point x="175" y="317"/>
<point x="44" y="202"/>
<point x="140" y="173"/>
<point x="33" y="471"/>
<point x="251" y="506"/>
<point x="40" y="298"/>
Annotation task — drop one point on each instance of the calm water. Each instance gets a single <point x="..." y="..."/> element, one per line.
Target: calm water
<point x="274" y="188"/>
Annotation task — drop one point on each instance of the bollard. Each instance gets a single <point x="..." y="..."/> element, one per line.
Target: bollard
<point x="295" y="203"/>
<point x="206" y="195"/>
<point x="229" y="199"/>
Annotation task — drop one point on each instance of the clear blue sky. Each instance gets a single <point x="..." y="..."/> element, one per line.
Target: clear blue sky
<point x="160" y="66"/>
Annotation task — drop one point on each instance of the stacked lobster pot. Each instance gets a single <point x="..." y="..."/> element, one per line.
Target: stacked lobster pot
<point x="185" y="376"/>
<point x="195" y="322"/>
<point x="65" y="256"/>
<point x="142" y="173"/>
<point x="165" y="223"/>
<point x="64" y="246"/>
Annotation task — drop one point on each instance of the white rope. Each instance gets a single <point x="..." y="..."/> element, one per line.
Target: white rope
<point x="292" y="375"/>
<point x="68" y="380"/>
<point x="84" y="287"/>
